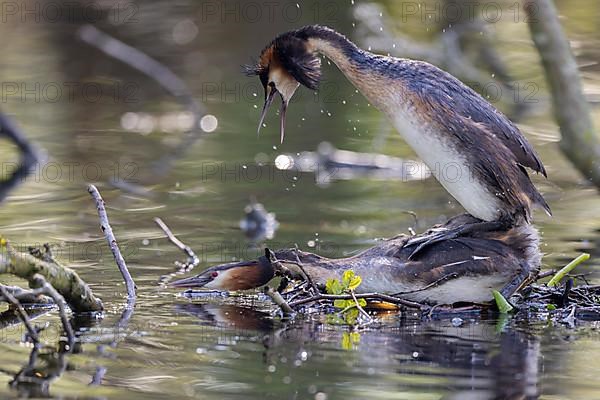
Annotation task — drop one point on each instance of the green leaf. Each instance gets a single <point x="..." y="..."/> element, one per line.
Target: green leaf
<point x="550" y="307"/>
<point x="355" y="282"/>
<point x="362" y="302"/>
<point x="503" y="305"/>
<point x="333" y="319"/>
<point x="342" y="303"/>
<point x="350" y="339"/>
<point x="333" y="286"/>
<point x="567" y="268"/>
<point x="351" y="316"/>
<point x="347" y="277"/>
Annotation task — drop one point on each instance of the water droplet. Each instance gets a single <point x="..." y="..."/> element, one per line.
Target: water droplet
<point x="284" y="162"/>
<point x="184" y="31"/>
<point x="209" y="123"/>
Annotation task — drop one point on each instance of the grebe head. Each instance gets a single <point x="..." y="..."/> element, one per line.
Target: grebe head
<point x="234" y="276"/>
<point x="283" y="66"/>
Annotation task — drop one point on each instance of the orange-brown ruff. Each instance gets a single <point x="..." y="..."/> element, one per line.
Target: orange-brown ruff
<point x="474" y="151"/>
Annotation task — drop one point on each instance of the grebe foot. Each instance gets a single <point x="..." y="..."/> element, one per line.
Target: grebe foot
<point x="448" y="234"/>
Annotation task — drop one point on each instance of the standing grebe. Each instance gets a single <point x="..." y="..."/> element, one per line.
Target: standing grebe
<point x="476" y="153"/>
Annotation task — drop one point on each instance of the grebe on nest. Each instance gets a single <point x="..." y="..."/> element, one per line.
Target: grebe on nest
<point x="463" y="269"/>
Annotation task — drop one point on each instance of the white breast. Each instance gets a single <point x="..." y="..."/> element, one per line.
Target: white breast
<point x="449" y="167"/>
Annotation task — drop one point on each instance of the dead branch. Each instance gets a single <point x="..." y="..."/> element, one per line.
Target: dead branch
<point x="366" y="296"/>
<point x="66" y="281"/>
<point x="49" y="290"/>
<point x="26" y="296"/>
<point x="21" y="313"/>
<point x="359" y="307"/>
<point x="192" y="260"/>
<point x="278" y="300"/>
<point x="112" y="241"/>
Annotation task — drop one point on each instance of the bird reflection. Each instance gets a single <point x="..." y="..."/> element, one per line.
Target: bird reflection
<point x="484" y="359"/>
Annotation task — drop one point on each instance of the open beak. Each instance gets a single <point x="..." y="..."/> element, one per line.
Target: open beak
<point x="268" y="101"/>
<point x="282" y="112"/>
<point x="193" y="281"/>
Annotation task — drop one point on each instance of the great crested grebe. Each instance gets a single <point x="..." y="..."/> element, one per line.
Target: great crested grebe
<point x="463" y="269"/>
<point x="476" y="153"/>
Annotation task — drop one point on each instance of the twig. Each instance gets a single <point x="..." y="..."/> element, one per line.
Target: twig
<point x="22" y="314"/>
<point x="112" y="241"/>
<point x="278" y="299"/>
<point x="299" y="264"/>
<point x="193" y="259"/>
<point x="360" y="309"/>
<point x="371" y="296"/>
<point x="26" y="296"/>
<point x="49" y="290"/>
<point x="545" y="274"/>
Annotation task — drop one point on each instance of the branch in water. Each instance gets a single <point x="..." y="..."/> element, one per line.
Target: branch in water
<point x="112" y="242"/>
<point x="192" y="260"/>
<point x="21" y="313"/>
<point x="366" y="296"/>
<point x="48" y="290"/>
<point x="26" y="296"/>
<point x="279" y="301"/>
<point x="66" y="281"/>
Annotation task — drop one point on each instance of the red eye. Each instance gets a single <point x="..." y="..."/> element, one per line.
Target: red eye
<point x="214" y="274"/>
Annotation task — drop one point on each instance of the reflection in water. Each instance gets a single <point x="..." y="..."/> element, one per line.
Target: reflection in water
<point x="330" y="164"/>
<point x="42" y="368"/>
<point x="28" y="156"/>
<point x="475" y="360"/>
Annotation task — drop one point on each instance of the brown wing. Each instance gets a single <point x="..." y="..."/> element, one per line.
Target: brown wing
<point x="451" y="94"/>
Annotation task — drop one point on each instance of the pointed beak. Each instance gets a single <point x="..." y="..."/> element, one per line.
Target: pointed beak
<point x="284" y="105"/>
<point x="194" y="281"/>
<point x="268" y="101"/>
